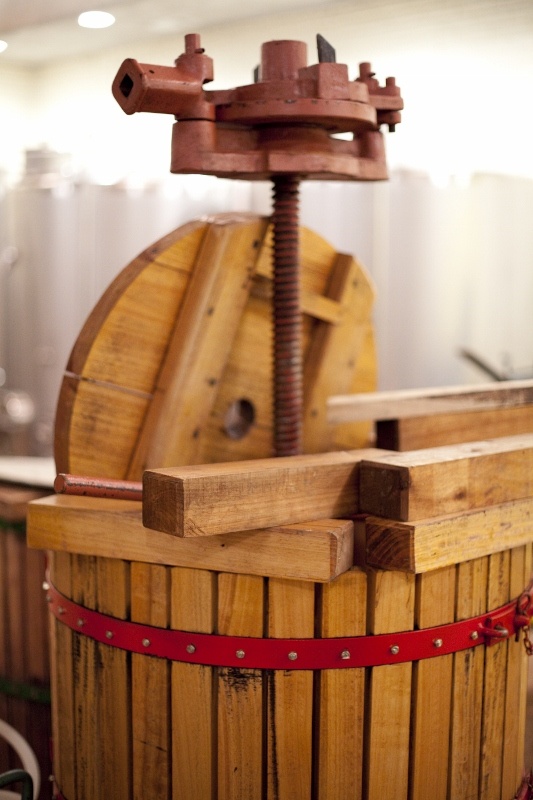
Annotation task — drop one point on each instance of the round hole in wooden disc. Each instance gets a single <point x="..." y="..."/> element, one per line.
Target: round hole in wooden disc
<point x="239" y="418"/>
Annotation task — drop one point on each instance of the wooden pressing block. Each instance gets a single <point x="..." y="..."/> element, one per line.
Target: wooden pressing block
<point x="442" y="541"/>
<point x="219" y="498"/>
<point x="412" y="419"/>
<point x="315" y="551"/>
<point x="428" y="483"/>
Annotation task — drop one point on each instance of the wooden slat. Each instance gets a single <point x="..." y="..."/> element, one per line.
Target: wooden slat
<point x="62" y="683"/>
<point x="199" y="346"/>
<point x="193" y="597"/>
<point x="522" y="688"/>
<point x="208" y="499"/>
<point x="448" y="480"/>
<point x="387" y="718"/>
<point x="114" y="685"/>
<point x="432" y="688"/>
<point x="4" y="663"/>
<point x="342" y="693"/>
<point x="427" y="402"/>
<point x="442" y="541"/>
<point x="85" y="684"/>
<point x="240" y="693"/>
<point x="290" y="695"/>
<point x="332" y="354"/>
<point x="415" y="433"/>
<point x="316" y="551"/>
<point x="468" y="665"/>
<point x="15" y="560"/>
<point x="495" y="678"/>
<point x="150" y="695"/>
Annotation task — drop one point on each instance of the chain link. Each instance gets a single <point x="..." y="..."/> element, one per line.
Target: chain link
<point x="528" y="644"/>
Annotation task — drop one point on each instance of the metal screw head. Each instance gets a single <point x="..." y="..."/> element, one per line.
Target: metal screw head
<point x="437" y="642"/>
<point x="80" y="622"/>
<point x="61" y="610"/>
<point x="46" y="586"/>
<point x="394" y="650"/>
<point x="345" y="655"/>
<point x="146" y="642"/>
<point x="292" y="656"/>
<point x="191" y="648"/>
<point x="109" y="634"/>
<point x="240" y="653"/>
<point x="474" y="635"/>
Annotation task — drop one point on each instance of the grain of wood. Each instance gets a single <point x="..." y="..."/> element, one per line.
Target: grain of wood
<point x="240" y="692"/>
<point x="432" y="691"/>
<point x="316" y="551"/>
<point x="193" y="601"/>
<point x="447" y="480"/>
<point x="150" y="692"/>
<point x="4" y="664"/>
<point x="17" y="611"/>
<point x="522" y="688"/>
<point x="341" y="693"/>
<point x="218" y="498"/>
<point x="391" y="598"/>
<point x="434" y="543"/>
<point x="290" y="695"/>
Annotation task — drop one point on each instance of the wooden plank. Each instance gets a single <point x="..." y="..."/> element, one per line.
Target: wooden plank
<point x="150" y="695"/>
<point x="523" y="684"/>
<point x="83" y="576"/>
<point x="4" y="663"/>
<point x="193" y="597"/>
<point x="467" y="693"/>
<point x="515" y="693"/>
<point x="432" y="691"/>
<point x="331" y="356"/>
<point x="316" y="551"/>
<point x="218" y="498"/>
<point x="495" y="677"/>
<point x="442" y="541"/>
<point x="415" y="433"/>
<point x="199" y="346"/>
<point x="341" y="693"/>
<point x="387" y="718"/>
<point x="240" y="692"/>
<point x="114" y="684"/>
<point x="448" y="480"/>
<point x="290" y="695"/>
<point x="62" y="683"/>
<point x="14" y="501"/>
<point x="405" y="403"/>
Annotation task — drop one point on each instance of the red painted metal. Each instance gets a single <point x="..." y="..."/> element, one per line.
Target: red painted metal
<point x="97" y="487"/>
<point x="258" y="653"/>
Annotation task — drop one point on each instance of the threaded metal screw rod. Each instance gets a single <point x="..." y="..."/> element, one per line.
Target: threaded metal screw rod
<point x="287" y="354"/>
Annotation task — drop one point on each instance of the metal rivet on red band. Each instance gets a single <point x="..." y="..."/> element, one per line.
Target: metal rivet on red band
<point x="240" y="653"/>
<point x="109" y="634"/>
<point x="437" y="642"/>
<point x="292" y="655"/>
<point x="345" y="655"/>
<point x="46" y="586"/>
<point x="80" y="622"/>
<point x="394" y="649"/>
<point x="191" y="648"/>
<point x="146" y="642"/>
<point x="61" y="610"/>
<point x="474" y="635"/>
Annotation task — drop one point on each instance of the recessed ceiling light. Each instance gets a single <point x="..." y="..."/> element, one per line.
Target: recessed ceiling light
<point x="96" y="19"/>
<point x="3" y="45"/>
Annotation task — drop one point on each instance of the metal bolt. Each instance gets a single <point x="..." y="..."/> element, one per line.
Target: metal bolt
<point x="146" y="642"/>
<point x="80" y="622"/>
<point x="46" y="586"/>
<point x="240" y="653"/>
<point x="345" y="655"/>
<point x="109" y="634"/>
<point x="191" y="648"/>
<point x="474" y="635"/>
<point x="394" y="649"/>
<point x="48" y="598"/>
<point x="293" y="656"/>
<point x="61" y="610"/>
<point x="437" y="642"/>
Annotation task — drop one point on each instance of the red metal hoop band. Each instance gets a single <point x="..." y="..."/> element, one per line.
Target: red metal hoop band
<point x="333" y="653"/>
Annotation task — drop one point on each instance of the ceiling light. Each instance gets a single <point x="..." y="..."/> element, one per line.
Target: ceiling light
<point x="96" y="19"/>
<point x="3" y="45"/>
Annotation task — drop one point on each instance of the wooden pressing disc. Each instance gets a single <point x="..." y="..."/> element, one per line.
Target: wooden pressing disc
<point x="173" y="365"/>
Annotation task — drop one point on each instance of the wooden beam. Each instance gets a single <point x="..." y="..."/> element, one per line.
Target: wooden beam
<point x="218" y="498"/>
<point x="315" y="551"/>
<point x="430" y="544"/>
<point x="426" y="402"/>
<point x="446" y="480"/>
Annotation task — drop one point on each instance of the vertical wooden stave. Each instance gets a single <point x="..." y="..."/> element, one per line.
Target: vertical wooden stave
<point x="150" y="687"/>
<point x="391" y="598"/>
<point x="291" y="607"/>
<point x="341" y="693"/>
<point x="432" y="687"/>
<point x="240" y="692"/>
<point x="15" y="555"/>
<point x="521" y="766"/>
<point x="193" y="602"/>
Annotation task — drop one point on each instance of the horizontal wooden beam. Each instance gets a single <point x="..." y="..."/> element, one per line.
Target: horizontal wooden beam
<point x="313" y="551"/>
<point x="210" y="499"/>
<point x="425" y="402"/>
<point x="447" y="480"/>
<point x="440" y="542"/>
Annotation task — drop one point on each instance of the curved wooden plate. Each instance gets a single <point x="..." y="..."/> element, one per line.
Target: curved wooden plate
<point x="173" y="365"/>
